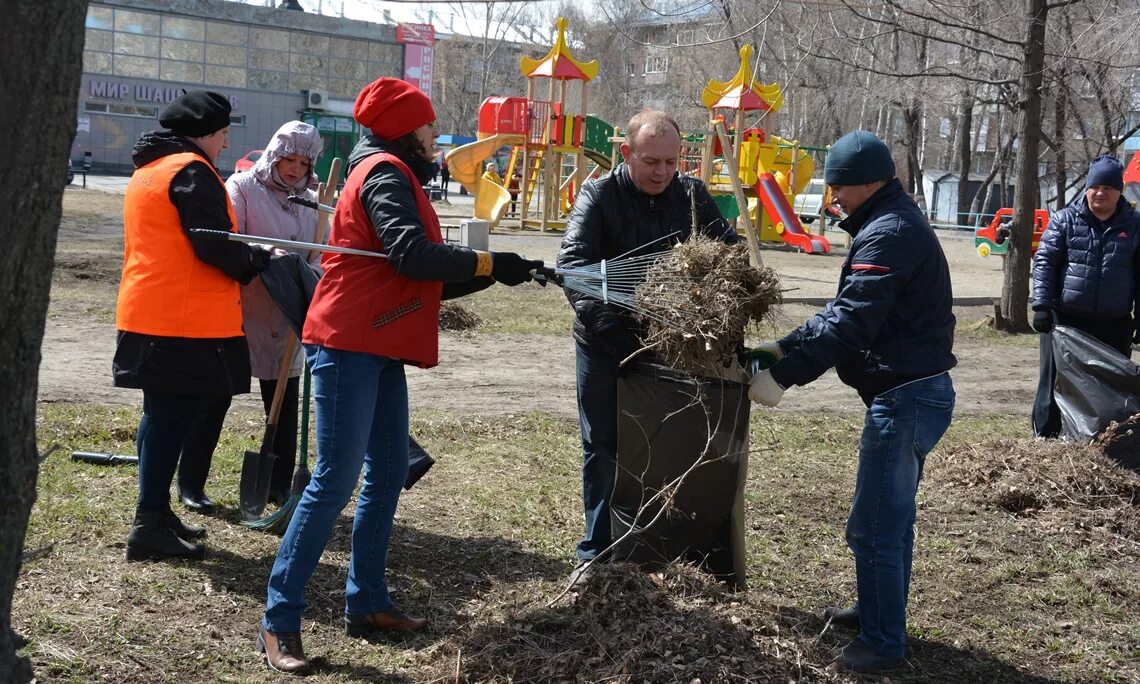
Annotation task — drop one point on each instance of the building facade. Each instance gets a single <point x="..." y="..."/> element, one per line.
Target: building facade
<point x="274" y="65"/>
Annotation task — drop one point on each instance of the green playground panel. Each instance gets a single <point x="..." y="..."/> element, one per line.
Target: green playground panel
<point x="597" y="138"/>
<point x="728" y="206"/>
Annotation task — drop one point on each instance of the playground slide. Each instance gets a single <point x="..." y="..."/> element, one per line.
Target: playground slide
<point x="466" y="161"/>
<point x="603" y="161"/>
<point x="785" y="219"/>
<point x="466" y="166"/>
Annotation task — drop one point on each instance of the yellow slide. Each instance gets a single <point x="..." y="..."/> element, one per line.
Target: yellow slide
<point x="466" y="166"/>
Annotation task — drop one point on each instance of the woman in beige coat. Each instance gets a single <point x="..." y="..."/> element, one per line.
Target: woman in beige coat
<point x="260" y="199"/>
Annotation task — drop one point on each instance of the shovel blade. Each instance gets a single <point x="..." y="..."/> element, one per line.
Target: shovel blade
<point x="253" y="487"/>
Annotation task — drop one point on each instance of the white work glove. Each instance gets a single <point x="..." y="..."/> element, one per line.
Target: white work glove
<point x="764" y="389"/>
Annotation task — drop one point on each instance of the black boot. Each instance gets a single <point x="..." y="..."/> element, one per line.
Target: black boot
<point x="184" y="531"/>
<point x="152" y="537"/>
<point x="842" y="617"/>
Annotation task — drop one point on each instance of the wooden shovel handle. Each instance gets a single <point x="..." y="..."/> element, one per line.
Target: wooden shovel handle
<point x="325" y="194"/>
<point x="282" y="377"/>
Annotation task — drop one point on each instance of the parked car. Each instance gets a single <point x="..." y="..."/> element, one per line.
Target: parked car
<point x="246" y="161"/>
<point x="809" y="201"/>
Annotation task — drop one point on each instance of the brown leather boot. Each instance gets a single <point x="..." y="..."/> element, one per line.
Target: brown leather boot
<point x="283" y="652"/>
<point x="363" y="625"/>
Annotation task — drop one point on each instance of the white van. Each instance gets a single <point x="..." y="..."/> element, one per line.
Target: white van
<point x="809" y="202"/>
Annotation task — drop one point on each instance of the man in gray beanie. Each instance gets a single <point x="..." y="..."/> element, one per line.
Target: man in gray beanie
<point x="889" y="334"/>
<point x="1086" y="275"/>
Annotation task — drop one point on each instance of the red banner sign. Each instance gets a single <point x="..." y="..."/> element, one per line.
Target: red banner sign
<point x="420" y="34"/>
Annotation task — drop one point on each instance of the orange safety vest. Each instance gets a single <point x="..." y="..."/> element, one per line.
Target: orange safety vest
<point x="362" y="304"/>
<point x="165" y="289"/>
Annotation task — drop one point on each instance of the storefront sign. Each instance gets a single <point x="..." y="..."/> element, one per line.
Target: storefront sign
<point x="420" y="34"/>
<point x="162" y="94"/>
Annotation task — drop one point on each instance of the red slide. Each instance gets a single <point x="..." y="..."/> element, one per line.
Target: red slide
<point x="781" y="213"/>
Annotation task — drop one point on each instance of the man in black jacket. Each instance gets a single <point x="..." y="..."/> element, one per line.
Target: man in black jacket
<point x="643" y="205"/>
<point x="889" y="333"/>
<point x="1086" y="275"/>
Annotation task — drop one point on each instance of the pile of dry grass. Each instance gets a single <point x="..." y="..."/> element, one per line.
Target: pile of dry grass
<point x="1068" y="488"/>
<point x="697" y="301"/>
<point x="457" y="318"/>
<point x="630" y="626"/>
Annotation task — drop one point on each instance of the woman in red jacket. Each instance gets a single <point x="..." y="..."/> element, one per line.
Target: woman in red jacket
<point x="370" y="317"/>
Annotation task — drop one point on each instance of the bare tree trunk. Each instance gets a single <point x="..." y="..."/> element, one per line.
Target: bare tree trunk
<point x="1060" y="174"/>
<point x="979" y="204"/>
<point x="37" y="126"/>
<point x="965" y="149"/>
<point x="1015" y="283"/>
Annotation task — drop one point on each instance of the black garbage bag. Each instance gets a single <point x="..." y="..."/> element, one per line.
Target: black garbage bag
<point x="1095" y="384"/>
<point x="663" y="430"/>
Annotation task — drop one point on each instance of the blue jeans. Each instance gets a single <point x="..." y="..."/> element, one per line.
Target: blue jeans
<point x="900" y="428"/>
<point x="173" y="427"/>
<point x="362" y="421"/>
<point x="598" y="420"/>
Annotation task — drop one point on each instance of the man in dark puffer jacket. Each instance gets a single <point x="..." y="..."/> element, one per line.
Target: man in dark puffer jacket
<point x="889" y="333"/>
<point x="1085" y="275"/>
<point x="641" y="205"/>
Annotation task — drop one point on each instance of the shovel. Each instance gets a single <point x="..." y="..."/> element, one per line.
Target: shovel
<point x="257" y="466"/>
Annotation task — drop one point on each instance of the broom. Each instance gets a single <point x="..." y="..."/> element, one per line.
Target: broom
<point x="278" y="522"/>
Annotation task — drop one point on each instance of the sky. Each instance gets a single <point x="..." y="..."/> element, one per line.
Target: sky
<point x="467" y="18"/>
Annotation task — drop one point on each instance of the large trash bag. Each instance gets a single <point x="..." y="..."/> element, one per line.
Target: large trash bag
<point x="1095" y="384"/>
<point x="663" y="430"/>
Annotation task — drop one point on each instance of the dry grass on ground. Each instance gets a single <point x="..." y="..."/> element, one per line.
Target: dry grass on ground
<point x="483" y="544"/>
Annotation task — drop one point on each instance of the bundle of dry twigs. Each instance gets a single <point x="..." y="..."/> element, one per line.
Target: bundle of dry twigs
<point x="697" y="301"/>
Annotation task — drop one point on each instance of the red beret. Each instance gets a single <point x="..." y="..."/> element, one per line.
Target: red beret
<point x="392" y="108"/>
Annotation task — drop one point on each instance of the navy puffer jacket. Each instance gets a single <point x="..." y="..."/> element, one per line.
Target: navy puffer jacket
<point x="1088" y="268"/>
<point x="891" y="321"/>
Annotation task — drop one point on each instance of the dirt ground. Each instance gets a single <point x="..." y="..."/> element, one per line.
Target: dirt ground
<point x="492" y="373"/>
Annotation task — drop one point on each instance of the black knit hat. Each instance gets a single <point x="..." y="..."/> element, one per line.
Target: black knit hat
<point x="858" y="158"/>
<point x="1106" y="170"/>
<point x="196" y="114"/>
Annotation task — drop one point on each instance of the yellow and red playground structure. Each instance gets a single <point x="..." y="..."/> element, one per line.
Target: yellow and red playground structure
<point x="553" y="151"/>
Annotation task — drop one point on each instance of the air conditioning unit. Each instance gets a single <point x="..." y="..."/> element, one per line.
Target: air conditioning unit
<point x="316" y="99"/>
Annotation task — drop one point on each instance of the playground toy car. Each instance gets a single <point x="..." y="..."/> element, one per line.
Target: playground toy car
<point x="994" y="238"/>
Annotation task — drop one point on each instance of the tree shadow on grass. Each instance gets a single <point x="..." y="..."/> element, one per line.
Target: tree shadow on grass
<point x="429" y="574"/>
<point x="926" y="661"/>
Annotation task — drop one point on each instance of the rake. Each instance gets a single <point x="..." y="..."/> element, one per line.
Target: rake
<point x="615" y="281"/>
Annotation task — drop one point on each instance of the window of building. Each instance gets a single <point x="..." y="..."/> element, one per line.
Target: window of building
<point x="120" y="109"/>
<point x="184" y="28"/>
<point x="100" y="18"/>
<point x="237" y="119"/>
<point x="686" y="37"/>
<point x="143" y="23"/>
<point x="655" y="64"/>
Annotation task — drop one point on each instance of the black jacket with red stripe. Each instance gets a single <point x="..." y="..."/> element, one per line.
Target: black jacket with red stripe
<point x="891" y="321"/>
